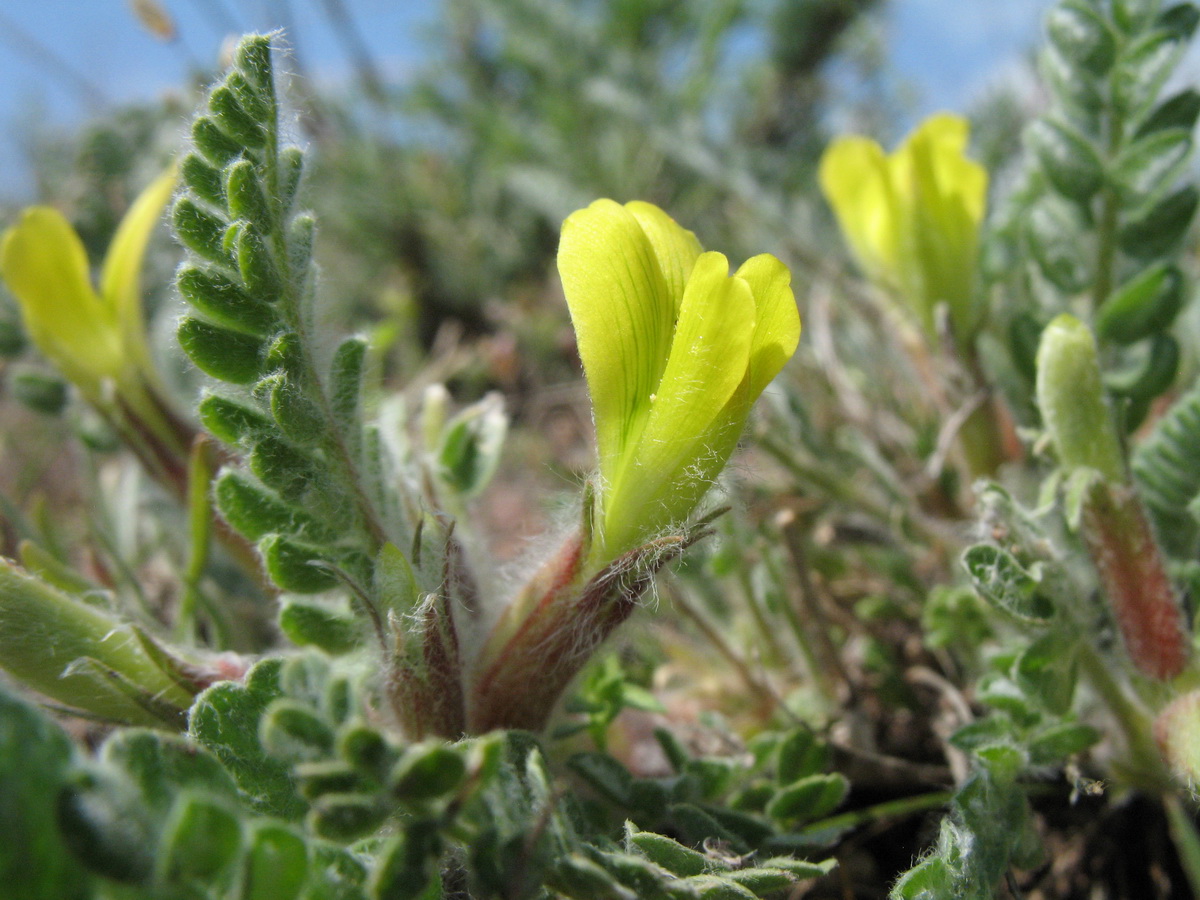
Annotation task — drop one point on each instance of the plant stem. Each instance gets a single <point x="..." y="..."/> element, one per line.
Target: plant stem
<point x="1187" y="842"/>
<point x="890" y="809"/>
<point x="826" y="661"/>
<point x="1145" y="762"/>
<point x="766" y="696"/>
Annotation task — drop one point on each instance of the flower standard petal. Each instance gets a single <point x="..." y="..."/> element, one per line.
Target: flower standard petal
<point x="944" y="195"/>
<point x="707" y="367"/>
<point x="46" y="268"/>
<point x="676" y="248"/>
<point x="120" y="281"/>
<point x="856" y="179"/>
<point x="622" y="313"/>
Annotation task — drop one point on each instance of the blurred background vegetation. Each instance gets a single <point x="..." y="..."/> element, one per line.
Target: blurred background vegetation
<point x="439" y="198"/>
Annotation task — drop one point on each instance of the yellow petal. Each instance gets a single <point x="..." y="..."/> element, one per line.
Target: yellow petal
<point x="120" y="280"/>
<point x="855" y="178"/>
<point x="675" y="247"/>
<point x="776" y="319"/>
<point x="675" y="451"/>
<point x="622" y="313"/>
<point x="46" y="268"/>
<point x="945" y="194"/>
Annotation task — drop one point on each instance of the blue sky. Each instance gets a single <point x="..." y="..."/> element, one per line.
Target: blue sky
<point x="949" y="50"/>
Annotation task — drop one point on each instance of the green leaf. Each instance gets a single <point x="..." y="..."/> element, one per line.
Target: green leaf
<point x="1149" y="165"/>
<point x="1056" y="240"/>
<point x="296" y="566"/>
<point x="404" y="871"/>
<point x="581" y="878"/>
<point x="275" y="866"/>
<point x="293" y="732"/>
<point x="1178" y="111"/>
<point x="801" y="753"/>
<point x="673" y="748"/>
<point x="1080" y="33"/>
<point x="604" y="775"/>
<point x="1047" y="671"/>
<point x="257" y="264"/>
<point x="427" y="772"/>
<point x="200" y="231"/>
<point x="800" y="869"/>
<point x="346" y="817"/>
<point x="252" y="57"/>
<point x="1005" y="583"/>
<point x="762" y="880"/>
<point x="644" y="878"/>
<point x="231" y="118"/>
<point x="1143" y="68"/>
<point x="1024" y="334"/>
<point x="40" y="391"/>
<point x="214" y="143"/>
<point x="1055" y="743"/>
<point x="283" y="467"/>
<point x="246" y="197"/>
<point x="1149" y="375"/>
<point x="225" y="720"/>
<point x="929" y="880"/>
<point x="161" y="765"/>
<point x="366" y="750"/>
<point x="301" y="233"/>
<point x="35" y="755"/>
<point x="107" y="827"/>
<point x="201" y="842"/>
<point x="1146" y="304"/>
<point x="717" y="887"/>
<point x="291" y="169"/>
<point x="203" y="179"/>
<point x="335" y="873"/>
<point x="396" y="583"/>
<point x="695" y="825"/>
<point x="256" y="101"/>
<point x="809" y="798"/>
<point x="225" y="355"/>
<point x="1069" y="160"/>
<point x="77" y="655"/>
<point x="983" y="732"/>
<point x="307" y="677"/>
<point x="1078" y="94"/>
<point x="256" y="511"/>
<point x="230" y="420"/>
<point x="345" y="382"/>
<point x="220" y="299"/>
<point x="470" y="446"/>
<point x="1156" y="232"/>
<point x="310" y="623"/>
<point x="663" y="851"/>
<point x="1179" y="20"/>
<point x="328" y="776"/>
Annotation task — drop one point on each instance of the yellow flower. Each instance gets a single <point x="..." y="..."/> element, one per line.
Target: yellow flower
<point x="97" y="339"/>
<point x="912" y="218"/>
<point x="676" y="349"/>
